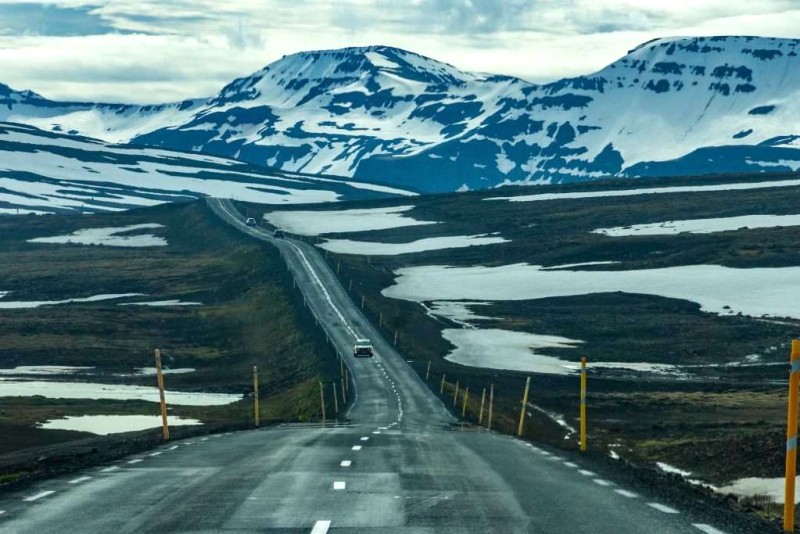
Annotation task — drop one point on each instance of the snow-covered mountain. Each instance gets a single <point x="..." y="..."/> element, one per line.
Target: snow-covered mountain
<point x="45" y="172"/>
<point x="671" y="106"/>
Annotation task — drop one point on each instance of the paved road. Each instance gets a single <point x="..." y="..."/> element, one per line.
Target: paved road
<point x="401" y="466"/>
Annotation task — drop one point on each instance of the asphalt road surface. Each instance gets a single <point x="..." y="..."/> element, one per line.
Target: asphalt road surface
<point x="402" y="465"/>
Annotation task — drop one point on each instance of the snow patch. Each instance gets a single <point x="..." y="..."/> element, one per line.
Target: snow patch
<point x="356" y="220"/>
<point x="25" y="304"/>
<point x="113" y="424"/>
<point x="703" y="226"/>
<point x="371" y="248"/>
<point x="109" y="237"/>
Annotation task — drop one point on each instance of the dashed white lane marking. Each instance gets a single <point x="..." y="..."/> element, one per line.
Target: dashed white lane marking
<point x="626" y="493"/>
<point x="377" y="432"/>
<point x="356" y="447"/>
<point x="321" y="527"/>
<point x="135" y="461"/>
<point x="586" y="473"/>
<point x="154" y="454"/>
<point x="79" y="480"/>
<point x="339" y="485"/>
<point x="2" y="512"/>
<point x="662" y="508"/>
<point x="346" y="463"/>
<point x="38" y="496"/>
<point x="204" y="439"/>
<point x="365" y="438"/>
<point x="173" y="447"/>
<point x="601" y="482"/>
<point x="570" y="464"/>
<point x="109" y="469"/>
<point x="189" y="443"/>
<point x="708" y="529"/>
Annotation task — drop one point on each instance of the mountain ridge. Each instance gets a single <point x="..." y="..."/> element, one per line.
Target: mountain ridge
<point x="670" y="106"/>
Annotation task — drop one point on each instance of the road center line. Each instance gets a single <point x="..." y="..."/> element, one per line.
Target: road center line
<point x="79" y="480"/>
<point x="38" y="496"/>
<point x="586" y="473"/>
<point x="321" y="527"/>
<point x="662" y="508"/>
<point x="158" y="453"/>
<point x="135" y="461"/>
<point x="601" y="482"/>
<point x="626" y="493"/>
<point x="708" y="529"/>
<point x="570" y="464"/>
<point x="356" y="447"/>
<point x="173" y="447"/>
<point x="109" y="469"/>
<point x="365" y="438"/>
<point x="346" y="463"/>
<point x="339" y="485"/>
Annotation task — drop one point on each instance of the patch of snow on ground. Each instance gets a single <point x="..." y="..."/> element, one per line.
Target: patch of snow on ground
<point x="10" y="387"/>
<point x="173" y="302"/>
<point x="584" y="264"/>
<point x="613" y="455"/>
<point x="771" y="487"/>
<point x="759" y="291"/>
<point x="370" y="248"/>
<point x="151" y="371"/>
<point x="113" y="424"/>
<point x="702" y="226"/>
<point x="519" y="351"/>
<point x="43" y="370"/>
<point x="27" y="304"/>
<point x="650" y="191"/>
<point x="458" y="312"/>
<point x="356" y="220"/>
<point x="672" y="469"/>
<point x="504" y="349"/>
<point x="109" y="237"/>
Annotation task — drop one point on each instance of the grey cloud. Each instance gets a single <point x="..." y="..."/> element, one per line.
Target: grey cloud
<point x="469" y="16"/>
<point x="51" y="20"/>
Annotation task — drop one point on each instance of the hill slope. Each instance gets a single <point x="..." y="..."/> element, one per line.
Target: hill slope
<point x="42" y="172"/>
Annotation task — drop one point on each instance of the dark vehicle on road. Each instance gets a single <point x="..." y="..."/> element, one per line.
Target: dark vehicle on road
<point x="278" y="233"/>
<point x="362" y="349"/>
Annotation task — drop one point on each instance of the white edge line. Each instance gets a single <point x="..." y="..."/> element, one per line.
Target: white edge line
<point x="38" y="496"/>
<point x="321" y="527"/>
<point x="662" y="508"/>
<point x="708" y="529"/>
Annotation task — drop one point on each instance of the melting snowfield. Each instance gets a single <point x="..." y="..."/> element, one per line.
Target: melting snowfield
<point x="771" y="487"/>
<point x="329" y="222"/>
<point x="109" y="237"/>
<point x="759" y="292"/>
<point x="520" y="351"/>
<point x="27" y="304"/>
<point x="113" y="424"/>
<point x="370" y="248"/>
<point x="44" y="370"/>
<point x="650" y="191"/>
<point x="160" y="303"/>
<point x="702" y="226"/>
<point x="10" y="387"/>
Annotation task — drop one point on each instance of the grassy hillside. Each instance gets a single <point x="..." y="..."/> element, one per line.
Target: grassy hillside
<point x="249" y="316"/>
<point x="704" y="421"/>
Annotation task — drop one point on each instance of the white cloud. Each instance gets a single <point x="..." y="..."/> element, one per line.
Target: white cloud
<point x="166" y="50"/>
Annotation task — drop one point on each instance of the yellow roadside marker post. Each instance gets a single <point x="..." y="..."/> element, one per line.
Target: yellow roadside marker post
<point x="428" y="372"/>
<point x="583" y="404"/>
<point x="455" y="394"/>
<point x="480" y="414"/>
<point x="464" y="406"/>
<point x="523" y="407"/>
<point x="160" y="378"/>
<point x="791" y="439"/>
<point x="255" y="395"/>
<point x="441" y="388"/>
<point x="491" y="405"/>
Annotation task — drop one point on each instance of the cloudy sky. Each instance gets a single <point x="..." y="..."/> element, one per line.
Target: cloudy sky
<point x="165" y="50"/>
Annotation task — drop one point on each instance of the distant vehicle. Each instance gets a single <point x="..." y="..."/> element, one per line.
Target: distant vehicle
<point x="278" y="233"/>
<point x="362" y="348"/>
<point x="250" y="221"/>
